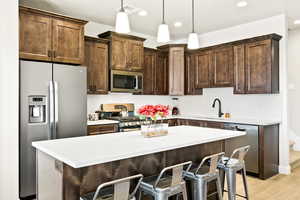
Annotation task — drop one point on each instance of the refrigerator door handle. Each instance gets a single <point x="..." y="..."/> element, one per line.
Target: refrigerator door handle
<point x="51" y="110"/>
<point x="56" y="119"/>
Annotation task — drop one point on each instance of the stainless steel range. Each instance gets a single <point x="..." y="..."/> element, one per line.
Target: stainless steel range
<point x="124" y="113"/>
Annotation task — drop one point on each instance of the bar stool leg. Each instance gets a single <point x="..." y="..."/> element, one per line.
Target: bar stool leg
<point x="245" y="182"/>
<point x="202" y="190"/>
<point x="161" y="196"/>
<point x="184" y="192"/>
<point x="219" y="188"/>
<point x="231" y="184"/>
<point x="222" y="178"/>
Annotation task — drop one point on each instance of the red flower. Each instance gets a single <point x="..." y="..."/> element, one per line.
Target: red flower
<point x="152" y="111"/>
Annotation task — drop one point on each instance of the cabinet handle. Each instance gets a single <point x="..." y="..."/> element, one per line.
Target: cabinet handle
<point x="54" y="54"/>
<point x="49" y="53"/>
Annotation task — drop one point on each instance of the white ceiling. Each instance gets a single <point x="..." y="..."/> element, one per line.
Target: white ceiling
<point x="210" y="14"/>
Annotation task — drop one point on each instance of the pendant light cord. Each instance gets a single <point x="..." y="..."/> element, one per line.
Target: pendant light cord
<point x="193" y="16"/>
<point x="122" y="6"/>
<point x="163" y="9"/>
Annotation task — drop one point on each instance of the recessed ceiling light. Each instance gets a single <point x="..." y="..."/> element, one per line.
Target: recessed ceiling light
<point x="178" y="24"/>
<point x="143" y="13"/>
<point x="242" y="4"/>
<point x="297" y="22"/>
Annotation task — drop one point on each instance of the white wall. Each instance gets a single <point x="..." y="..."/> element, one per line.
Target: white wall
<point x="94" y="101"/>
<point x="9" y="95"/>
<point x="248" y="106"/>
<point x="294" y="85"/>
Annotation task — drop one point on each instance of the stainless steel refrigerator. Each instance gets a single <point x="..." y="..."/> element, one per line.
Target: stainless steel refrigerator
<point x="53" y="104"/>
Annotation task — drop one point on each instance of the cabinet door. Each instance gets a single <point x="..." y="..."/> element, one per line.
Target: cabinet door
<point x="149" y="71"/>
<point x="197" y="123"/>
<point x="202" y="65"/>
<point x="161" y="74"/>
<point x="239" y="69"/>
<point x="35" y="36"/>
<point x="218" y="125"/>
<point x="222" y="67"/>
<point x="88" y="50"/>
<point x="135" y="56"/>
<point x="100" y="66"/>
<point x="176" y="71"/>
<point x="118" y="51"/>
<point x="258" y="67"/>
<point x="189" y="83"/>
<point x="68" y="42"/>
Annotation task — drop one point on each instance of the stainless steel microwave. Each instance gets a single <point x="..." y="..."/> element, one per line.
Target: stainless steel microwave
<point x="124" y="81"/>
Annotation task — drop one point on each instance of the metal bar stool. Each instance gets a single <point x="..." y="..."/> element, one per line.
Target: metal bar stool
<point x="200" y="177"/>
<point x="230" y="166"/>
<point x="115" y="190"/>
<point x="165" y="185"/>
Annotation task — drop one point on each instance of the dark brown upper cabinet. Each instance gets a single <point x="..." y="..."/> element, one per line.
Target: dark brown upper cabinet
<point x="150" y="60"/>
<point x="96" y="60"/>
<point x="256" y="66"/>
<point x="202" y="69"/>
<point x="221" y="68"/>
<point x="126" y="51"/>
<point x="162" y="74"/>
<point x="46" y="36"/>
<point x="190" y="85"/>
<point x="176" y="67"/>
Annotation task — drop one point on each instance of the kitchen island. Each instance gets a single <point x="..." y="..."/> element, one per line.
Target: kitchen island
<point x="69" y="168"/>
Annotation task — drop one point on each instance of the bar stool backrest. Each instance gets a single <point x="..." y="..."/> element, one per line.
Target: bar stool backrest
<point x="239" y="153"/>
<point x="121" y="187"/>
<point x="214" y="160"/>
<point x="177" y="173"/>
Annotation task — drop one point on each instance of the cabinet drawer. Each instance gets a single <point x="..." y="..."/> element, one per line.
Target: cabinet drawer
<point x="102" y="129"/>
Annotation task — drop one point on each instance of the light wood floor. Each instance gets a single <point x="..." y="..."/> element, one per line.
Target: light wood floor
<point x="280" y="187"/>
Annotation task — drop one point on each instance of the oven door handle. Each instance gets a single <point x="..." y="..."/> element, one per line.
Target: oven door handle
<point x="136" y="83"/>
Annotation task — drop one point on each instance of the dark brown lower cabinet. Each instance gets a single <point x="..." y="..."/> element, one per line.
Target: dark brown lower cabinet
<point x="268" y="145"/>
<point x="102" y="129"/>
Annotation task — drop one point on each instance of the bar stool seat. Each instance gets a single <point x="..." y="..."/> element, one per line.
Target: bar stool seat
<point x="163" y="186"/>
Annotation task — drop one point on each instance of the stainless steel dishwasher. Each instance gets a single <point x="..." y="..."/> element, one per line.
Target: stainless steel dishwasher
<point x="251" y="139"/>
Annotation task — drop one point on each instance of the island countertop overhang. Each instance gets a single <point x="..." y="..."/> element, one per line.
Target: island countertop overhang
<point x="92" y="150"/>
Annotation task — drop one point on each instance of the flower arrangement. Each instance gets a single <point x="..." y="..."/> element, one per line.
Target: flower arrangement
<point x="155" y="112"/>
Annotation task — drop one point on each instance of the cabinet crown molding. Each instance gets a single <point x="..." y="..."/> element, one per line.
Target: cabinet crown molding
<point x="110" y="34"/>
<point x="50" y="14"/>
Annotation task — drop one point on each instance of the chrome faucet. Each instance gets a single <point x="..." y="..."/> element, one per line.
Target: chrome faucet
<point x="220" y="114"/>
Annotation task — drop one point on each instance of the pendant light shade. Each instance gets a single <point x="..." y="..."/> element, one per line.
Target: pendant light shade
<point x="122" y="21"/>
<point x="163" y="34"/>
<point x="193" y="40"/>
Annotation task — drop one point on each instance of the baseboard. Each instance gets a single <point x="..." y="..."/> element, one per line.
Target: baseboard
<point x="284" y="169"/>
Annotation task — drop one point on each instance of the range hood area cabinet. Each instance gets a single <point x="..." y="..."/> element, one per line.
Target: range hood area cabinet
<point x="96" y="61"/>
<point x="46" y="36"/>
<point x="126" y="51"/>
<point x="256" y="66"/>
<point x="176" y="67"/>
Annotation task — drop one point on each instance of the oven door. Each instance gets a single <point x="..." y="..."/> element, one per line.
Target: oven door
<point x="123" y="81"/>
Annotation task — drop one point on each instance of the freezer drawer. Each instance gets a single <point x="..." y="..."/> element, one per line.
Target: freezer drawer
<point x="251" y="159"/>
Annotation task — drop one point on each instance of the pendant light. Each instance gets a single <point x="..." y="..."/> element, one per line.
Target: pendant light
<point x="163" y="34"/>
<point x="193" y="40"/>
<point x="122" y="21"/>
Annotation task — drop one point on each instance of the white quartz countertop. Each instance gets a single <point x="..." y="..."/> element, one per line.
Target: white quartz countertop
<point x="91" y="150"/>
<point x="102" y="122"/>
<point x="260" y="122"/>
